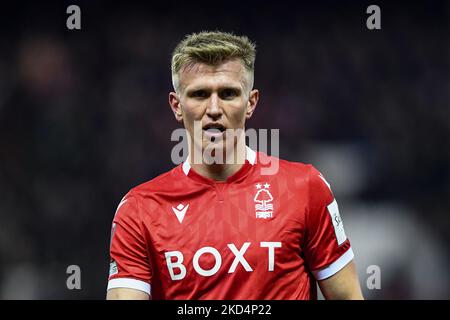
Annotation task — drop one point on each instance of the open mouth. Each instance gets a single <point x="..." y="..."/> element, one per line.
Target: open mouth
<point x="214" y="126"/>
<point x="213" y="130"/>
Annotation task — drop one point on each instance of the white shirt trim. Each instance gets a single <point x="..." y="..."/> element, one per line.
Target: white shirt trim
<point x="335" y="266"/>
<point x="250" y="156"/>
<point x="130" y="284"/>
<point x="186" y="166"/>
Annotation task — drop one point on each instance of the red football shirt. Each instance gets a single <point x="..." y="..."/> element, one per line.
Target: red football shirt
<point x="253" y="236"/>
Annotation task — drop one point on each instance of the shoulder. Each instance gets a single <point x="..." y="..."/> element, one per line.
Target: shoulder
<point x="160" y="183"/>
<point x="144" y="194"/>
<point x="287" y="169"/>
<point x="304" y="176"/>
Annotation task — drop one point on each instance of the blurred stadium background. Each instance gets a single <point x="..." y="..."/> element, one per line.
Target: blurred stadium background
<point x="84" y="117"/>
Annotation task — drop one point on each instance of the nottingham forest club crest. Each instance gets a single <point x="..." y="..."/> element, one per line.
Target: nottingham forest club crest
<point x="263" y="201"/>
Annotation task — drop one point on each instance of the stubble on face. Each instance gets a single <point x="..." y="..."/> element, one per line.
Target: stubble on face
<point x="202" y="98"/>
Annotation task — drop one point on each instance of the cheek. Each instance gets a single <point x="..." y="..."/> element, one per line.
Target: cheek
<point x="237" y="113"/>
<point x="192" y="111"/>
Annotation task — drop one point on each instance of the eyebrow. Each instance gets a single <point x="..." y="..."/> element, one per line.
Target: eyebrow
<point x="205" y="88"/>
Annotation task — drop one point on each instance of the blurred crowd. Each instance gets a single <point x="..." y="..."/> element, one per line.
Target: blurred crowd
<point x="84" y="117"/>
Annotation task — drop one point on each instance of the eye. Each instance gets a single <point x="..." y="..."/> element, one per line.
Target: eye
<point x="198" y="94"/>
<point x="229" y="93"/>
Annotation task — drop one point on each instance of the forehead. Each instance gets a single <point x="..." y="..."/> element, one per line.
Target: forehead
<point x="229" y="73"/>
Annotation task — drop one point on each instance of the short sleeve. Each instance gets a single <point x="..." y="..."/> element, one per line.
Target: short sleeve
<point x="129" y="265"/>
<point x="327" y="249"/>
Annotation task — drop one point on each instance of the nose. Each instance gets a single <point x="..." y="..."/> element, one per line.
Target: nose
<point x="214" y="109"/>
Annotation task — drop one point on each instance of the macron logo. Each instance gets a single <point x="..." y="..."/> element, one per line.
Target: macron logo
<point x="180" y="211"/>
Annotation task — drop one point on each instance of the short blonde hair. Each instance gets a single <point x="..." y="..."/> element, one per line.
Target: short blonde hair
<point x="213" y="48"/>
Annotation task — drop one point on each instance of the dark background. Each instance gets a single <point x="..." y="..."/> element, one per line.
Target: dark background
<point x="84" y="117"/>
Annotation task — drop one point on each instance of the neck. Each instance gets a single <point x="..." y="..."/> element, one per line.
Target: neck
<point x="221" y="172"/>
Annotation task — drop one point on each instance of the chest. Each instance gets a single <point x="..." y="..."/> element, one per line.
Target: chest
<point x="253" y="223"/>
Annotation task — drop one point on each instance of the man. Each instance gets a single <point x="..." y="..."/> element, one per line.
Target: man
<point x="222" y="229"/>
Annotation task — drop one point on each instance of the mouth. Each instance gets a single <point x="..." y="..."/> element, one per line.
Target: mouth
<point x="214" y="130"/>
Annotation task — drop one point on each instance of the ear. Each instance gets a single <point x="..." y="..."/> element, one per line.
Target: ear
<point x="175" y="105"/>
<point x="252" y="102"/>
